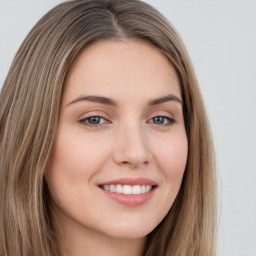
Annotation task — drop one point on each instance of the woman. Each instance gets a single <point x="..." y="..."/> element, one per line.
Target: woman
<point x="104" y="142"/>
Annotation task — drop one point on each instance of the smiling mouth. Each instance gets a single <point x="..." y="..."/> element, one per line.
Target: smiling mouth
<point x="128" y="189"/>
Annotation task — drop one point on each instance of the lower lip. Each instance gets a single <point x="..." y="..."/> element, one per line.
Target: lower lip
<point x="130" y="200"/>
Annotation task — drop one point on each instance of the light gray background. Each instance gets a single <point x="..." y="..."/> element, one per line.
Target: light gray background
<point x="221" y="38"/>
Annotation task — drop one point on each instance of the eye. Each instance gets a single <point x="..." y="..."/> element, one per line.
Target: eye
<point x="163" y="120"/>
<point x="93" y="121"/>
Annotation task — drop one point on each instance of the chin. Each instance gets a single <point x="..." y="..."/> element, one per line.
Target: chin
<point x="130" y="230"/>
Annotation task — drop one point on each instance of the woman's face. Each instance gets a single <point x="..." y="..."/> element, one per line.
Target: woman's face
<point x="121" y="148"/>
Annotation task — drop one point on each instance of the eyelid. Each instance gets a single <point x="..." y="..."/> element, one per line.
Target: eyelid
<point x="83" y="121"/>
<point x="165" y="113"/>
<point x="157" y="113"/>
<point x="171" y="121"/>
<point x="95" y="113"/>
<point x="92" y="113"/>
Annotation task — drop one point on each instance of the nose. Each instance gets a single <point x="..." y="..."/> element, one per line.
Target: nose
<point x="131" y="147"/>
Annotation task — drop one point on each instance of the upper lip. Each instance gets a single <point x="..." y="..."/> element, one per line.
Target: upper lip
<point x="130" y="181"/>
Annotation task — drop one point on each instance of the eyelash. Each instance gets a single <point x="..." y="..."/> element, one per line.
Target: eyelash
<point x="84" y="121"/>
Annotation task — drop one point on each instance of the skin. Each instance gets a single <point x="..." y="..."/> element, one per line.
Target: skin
<point x="127" y="142"/>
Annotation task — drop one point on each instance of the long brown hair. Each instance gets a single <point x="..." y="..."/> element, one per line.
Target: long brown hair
<point x="30" y="101"/>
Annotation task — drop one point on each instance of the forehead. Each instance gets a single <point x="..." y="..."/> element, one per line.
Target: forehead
<point x="121" y="69"/>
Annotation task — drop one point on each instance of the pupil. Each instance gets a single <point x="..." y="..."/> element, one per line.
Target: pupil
<point x="159" y="120"/>
<point x="94" y="120"/>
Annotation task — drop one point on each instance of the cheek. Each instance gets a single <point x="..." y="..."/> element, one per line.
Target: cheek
<point x="74" y="153"/>
<point x="74" y="161"/>
<point x="171" y="155"/>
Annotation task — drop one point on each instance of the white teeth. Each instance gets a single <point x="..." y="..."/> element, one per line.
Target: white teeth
<point x="112" y="188"/>
<point x="106" y="187"/>
<point x="118" y="189"/>
<point x="127" y="189"/>
<point x="136" y="190"/>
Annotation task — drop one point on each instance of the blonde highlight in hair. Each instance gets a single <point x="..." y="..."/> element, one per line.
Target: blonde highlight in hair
<point x="29" y="110"/>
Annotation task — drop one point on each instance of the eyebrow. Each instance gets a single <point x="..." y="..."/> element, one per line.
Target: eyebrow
<point x="111" y="102"/>
<point x="97" y="99"/>
<point x="164" y="99"/>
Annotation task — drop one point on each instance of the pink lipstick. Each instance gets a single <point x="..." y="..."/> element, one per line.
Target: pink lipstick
<point x="130" y="191"/>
